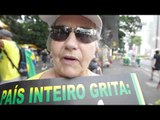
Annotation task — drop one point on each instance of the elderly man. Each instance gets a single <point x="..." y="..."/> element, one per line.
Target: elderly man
<point x="73" y="42"/>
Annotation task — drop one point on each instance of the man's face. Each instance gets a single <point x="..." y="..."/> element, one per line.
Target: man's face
<point x="71" y="57"/>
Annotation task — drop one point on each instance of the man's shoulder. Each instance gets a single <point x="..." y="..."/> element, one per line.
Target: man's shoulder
<point x="8" y="41"/>
<point x="37" y="76"/>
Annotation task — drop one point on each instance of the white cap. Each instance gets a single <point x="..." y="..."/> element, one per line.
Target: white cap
<point x="50" y="19"/>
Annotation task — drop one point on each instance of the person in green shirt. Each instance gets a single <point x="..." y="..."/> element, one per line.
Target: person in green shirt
<point x="30" y="57"/>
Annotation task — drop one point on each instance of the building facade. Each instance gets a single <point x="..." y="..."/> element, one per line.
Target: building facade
<point x="150" y="34"/>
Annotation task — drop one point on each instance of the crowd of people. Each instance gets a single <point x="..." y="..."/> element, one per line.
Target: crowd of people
<point x="71" y="47"/>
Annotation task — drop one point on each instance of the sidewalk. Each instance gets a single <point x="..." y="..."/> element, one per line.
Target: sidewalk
<point x="149" y="88"/>
<point x="146" y="65"/>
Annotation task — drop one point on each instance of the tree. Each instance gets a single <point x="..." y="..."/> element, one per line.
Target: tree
<point x="110" y="30"/>
<point x="129" y="25"/>
<point x="27" y="29"/>
<point x="137" y="40"/>
<point x="121" y="42"/>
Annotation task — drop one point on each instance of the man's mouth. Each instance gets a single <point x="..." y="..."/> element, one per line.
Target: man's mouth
<point x="69" y="59"/>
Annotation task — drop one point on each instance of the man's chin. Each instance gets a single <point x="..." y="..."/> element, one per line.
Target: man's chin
<point x="71" y="74"/>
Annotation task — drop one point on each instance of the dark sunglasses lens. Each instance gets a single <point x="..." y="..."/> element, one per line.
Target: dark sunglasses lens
<point x="59" y="34"/>
<point x="85" y="35"/>
<point x="84" y="38"/>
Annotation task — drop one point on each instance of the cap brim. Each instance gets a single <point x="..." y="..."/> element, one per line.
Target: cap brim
<point x="50" y="19"/>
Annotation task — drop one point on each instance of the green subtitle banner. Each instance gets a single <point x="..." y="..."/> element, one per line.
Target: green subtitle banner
<point x="121" y="89"/>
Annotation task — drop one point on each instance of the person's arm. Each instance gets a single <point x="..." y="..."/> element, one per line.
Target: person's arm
<point x="153" y="61"/>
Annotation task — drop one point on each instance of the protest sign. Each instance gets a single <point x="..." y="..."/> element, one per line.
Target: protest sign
<point x="121" y="89"/>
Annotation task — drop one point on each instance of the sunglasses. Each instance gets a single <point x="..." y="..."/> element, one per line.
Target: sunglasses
<point x="84" y="35"/>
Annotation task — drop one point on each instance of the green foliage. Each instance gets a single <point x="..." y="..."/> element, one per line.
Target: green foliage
<point x="137" y="40"/>
<point x="27" y="29"/>
<point x="129" y="25"/>
<point x="31" y="29"/>
<point x="121" y="34"/>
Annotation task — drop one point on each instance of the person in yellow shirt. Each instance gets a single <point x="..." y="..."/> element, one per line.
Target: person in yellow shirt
<point x="7" y="71"/>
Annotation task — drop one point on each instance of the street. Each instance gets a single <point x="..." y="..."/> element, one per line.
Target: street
<point x="148" y="87"/>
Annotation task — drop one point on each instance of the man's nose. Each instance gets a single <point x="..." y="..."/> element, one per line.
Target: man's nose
<point x="71" y="42"/>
